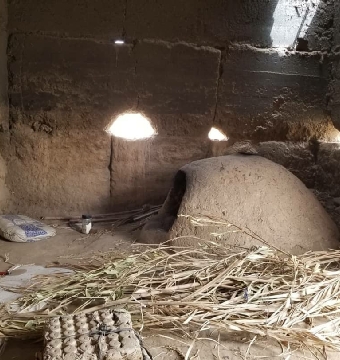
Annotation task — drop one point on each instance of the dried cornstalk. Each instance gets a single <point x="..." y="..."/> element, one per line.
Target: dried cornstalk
<point x="293" y="299"/>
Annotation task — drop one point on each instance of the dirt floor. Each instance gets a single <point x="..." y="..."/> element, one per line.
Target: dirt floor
<point x="71" y="246"/>
<point x="67" y="246"/>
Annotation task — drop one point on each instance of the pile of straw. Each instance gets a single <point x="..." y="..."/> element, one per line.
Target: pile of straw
<point x="259" y="291"/>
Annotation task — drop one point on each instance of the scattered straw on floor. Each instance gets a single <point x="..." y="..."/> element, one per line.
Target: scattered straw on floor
<point x="291" y="299"/>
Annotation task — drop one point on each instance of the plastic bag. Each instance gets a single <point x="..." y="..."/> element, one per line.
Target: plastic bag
<point x="20" y="228"/>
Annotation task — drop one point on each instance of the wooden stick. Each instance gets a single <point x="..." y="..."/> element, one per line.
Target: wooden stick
<point x="94" y="216"/>
<point x="143" y="216"/>
<point x="112" y="219"/>
<point x="80" y="217"/>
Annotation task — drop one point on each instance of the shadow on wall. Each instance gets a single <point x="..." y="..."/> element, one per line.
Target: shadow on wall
<point x="3" y="189"/>
<point x="319" y="34"/>
<point x="244" y="21"/>
<point x="204" y="22"/>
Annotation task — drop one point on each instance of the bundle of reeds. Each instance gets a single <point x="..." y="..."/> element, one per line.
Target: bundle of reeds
<point x="260" y="291"/>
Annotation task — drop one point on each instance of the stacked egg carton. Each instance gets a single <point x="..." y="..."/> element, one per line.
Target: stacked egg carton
<point x="103" y="335"/>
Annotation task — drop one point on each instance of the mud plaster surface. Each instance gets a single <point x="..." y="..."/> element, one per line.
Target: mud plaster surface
<point x="162" y="345"/>
<point x="186" y="66"/>
<point x="250" y="192"/>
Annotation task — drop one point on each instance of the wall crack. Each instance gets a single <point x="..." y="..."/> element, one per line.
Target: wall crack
<point x="125" y="19"/>
<point x="111" y="165"/>
<point x="218" y="80"/>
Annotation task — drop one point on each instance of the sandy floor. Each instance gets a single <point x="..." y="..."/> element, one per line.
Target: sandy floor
<point x="69" y="244"/>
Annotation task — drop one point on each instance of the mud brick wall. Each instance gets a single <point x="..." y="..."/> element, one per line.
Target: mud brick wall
<point x="187" y="66"/>
<point x="4" y="118"/>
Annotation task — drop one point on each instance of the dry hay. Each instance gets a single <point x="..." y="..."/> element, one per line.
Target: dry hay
<point x="292" y="299"/>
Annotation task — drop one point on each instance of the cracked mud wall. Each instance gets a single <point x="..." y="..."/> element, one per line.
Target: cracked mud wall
<point x="186" y="66"/>
<point x="4" y="135"/>
<point x="335" y="83"/>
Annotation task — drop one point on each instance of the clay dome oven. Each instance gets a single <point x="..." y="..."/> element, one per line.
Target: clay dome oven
<point x="248" y="191"/>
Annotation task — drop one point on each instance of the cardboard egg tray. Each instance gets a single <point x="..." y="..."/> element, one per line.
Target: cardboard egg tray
<point x="103" y="335"/>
